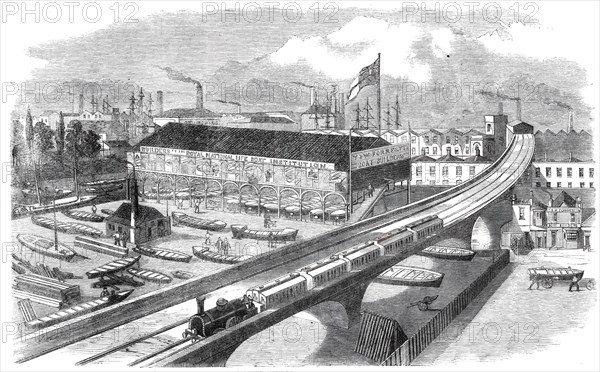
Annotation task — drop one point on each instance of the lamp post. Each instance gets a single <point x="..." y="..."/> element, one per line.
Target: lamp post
<point x="350" y="165"/>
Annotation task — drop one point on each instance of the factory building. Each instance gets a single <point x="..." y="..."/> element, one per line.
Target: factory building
<point x="214" y="161"/>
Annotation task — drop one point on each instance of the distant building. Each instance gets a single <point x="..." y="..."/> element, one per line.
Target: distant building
<point x="447" y="170"/>
<point x="563" y="174"/>
<point x="563" y="217"/>
<point x="118" y="148"/>
<point x="588" y="226"/>
<point x="528" y="223"/>
<point x="150" y="223"/>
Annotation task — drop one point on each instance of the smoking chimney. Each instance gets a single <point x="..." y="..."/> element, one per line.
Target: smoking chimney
<point x="199" y="98"/>
<point x="200" y="303"/>
<point x="500" y="108"/>
<point x="570" y="124"/>
<point x="519" y="109"/>
<point x="81" y="103"/>
<point x="159" y="103"/>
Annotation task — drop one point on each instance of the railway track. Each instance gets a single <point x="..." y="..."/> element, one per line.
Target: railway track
<point x="140" y="339"/>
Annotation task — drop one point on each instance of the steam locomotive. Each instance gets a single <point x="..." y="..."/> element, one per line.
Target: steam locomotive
<point x="227" y="314"/>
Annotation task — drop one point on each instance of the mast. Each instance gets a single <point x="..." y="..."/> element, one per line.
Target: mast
<point x="397" y="109"/>
<point x="55" y="232"/>
<point x="134" y="208"/>
<point x="379" y="94"/>
<point x="327" y="112"/>
<point x="388" y="120"/>
<point x="358" y="115"/>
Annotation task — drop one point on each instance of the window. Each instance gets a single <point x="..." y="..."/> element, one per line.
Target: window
<point x="538" y="184"/>
<point x="554" y="216"/>
<point x="582" y="184"/>
<point x="432" y="170"/>
<point x="521" y="213"/>
<point x="548" y="185"/>
<point x="458" y="171"/>
<point x="572" y="217"/>
<point x="580" y="172"/>
<point x="419" y="171"/>
<point x="538" y="173"/>
<point x="591" y="185"/>
<point x="467" y="150"/>
<point x="548" y="172"/>
<point x="558" y="172"/>
<point x="434" y="139"/>
<point x="413" y="151"/>
<point x="419" y="182"/>
<point x="569" y="172"/>
<point x="455" y="139"/>
<point x="456" y="151"/>
<point x="558" y="184"/>
<point x="426" y="150"/>
<point x="591" y="172"/>
<point x="569" y="184"/>
<point x="445" y="171"/>
<point x="445" y="182"/>
<point x="472" y="170"/>
<point x="435" y="151"/>
<point x="571" y="235"/>
<point x="447" y="139"/>
<point x="426" y="139"/>
<point x="392" y="140"/>
<point x="413" y="139"/>
<point x="458" y="182"/>
<point x="489" y="127"/>
<point x="432" y="182"/>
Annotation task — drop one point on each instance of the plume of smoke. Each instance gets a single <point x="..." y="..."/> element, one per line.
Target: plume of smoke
<point x="228" y="102"/>
<point x="497" y="95"/>
<point x="549" y="101"/>
<point x="179" y="76"/>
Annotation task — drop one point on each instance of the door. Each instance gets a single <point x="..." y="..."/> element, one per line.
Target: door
<point x="553" y="238"/>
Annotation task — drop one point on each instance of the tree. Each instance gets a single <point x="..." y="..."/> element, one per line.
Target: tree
<point x="73" y="143"/>
<point x="90" y="144"/>
<point x="40" y="142"/>
<point x="17" y="146"/>
<point x="60" y="135"/>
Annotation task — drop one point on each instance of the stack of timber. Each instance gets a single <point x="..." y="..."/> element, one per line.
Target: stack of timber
<point x="99" y="246"/>
<point x="37" y="287"/>
<point x="27" y="310"/>
<point x="44" y="270"/>
<point x="379" y="336"/>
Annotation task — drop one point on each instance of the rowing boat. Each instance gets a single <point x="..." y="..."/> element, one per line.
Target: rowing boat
<point x="103" y="182"/>
<point x="107" y="211"/>
<point x="208" y="255"/>
<point x="198" y="223"/>
<point x="149" y="275"/>
<point x="103" y="189"/>
<point x="66" y="227"/>
<point x="77" y="310"/>
<point x="413" y="276"/>
<point x="448" y="253"/>
<point x="21" y="209"/>
<point x="112" y="267"/>
<point x="242" y="231"/>
<point x="46" y="247"/>
<point x="83" y="216"/>
<point x="163" y="254"/>
<point x="47" y="193"/>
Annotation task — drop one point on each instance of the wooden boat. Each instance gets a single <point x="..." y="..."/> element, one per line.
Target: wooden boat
<point x="413" y="276"/>
<point x="149" y="275"/>
<point x="242" y="231"/>
<point x="205" y="253"/>
<point x="180" y="274"/>
<point x="198" y="223"/>
<point x="46" y="247"/>
<point x="66" y="227"/>
<point x="18" y="268"/>
<point x="83" y="216"/>
<point x="47" y="193"/>
<point x="163" y="254"/>
<point x="21" y="209"/>
<point x="448" y="253"/>
<point x="112" y="267"/>
<point x="103" y="182"/>
<point x="107" y="211"/>
<point x="77" y="310"/>
<point x="103" y="189"/>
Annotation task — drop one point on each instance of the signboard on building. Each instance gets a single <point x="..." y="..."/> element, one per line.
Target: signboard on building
<point x="380" y="155"/>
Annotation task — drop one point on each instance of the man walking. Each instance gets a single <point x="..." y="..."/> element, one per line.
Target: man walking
<point x="370" y="190"/>
<point x="226" y="246"/>
<point x="117" y="238"/>
<point x="219" y="245"/>
<point x="574" y="283"/>
<point x="197" y="206"/>
<point x="207" y="240"/>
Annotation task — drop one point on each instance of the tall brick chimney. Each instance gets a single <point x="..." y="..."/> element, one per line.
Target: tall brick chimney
<point x="199" y="98"/>
<point x="570" y="124"/>
<point x="519" y="109"/>
<point x="500" y="108"/>
<point x="159" y="103"/>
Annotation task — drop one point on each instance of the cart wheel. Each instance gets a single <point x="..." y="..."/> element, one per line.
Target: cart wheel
<point x="547" y="283"/>
<point x="422" y="306"/>
<point x="590" y="285"/>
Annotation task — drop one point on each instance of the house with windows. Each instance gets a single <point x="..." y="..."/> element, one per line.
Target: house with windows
<point x="149" y="223"/>
<point x="563" y="217"/>
<point x="527" y="225"/>
<point x="570" y="173"/>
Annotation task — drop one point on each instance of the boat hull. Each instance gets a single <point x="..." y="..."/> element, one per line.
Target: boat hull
<point x="410" y="276"/>
<point x="197" y="223"/>
<point x="112" y="267"/>
<point x="163" y="254"/>
<point x="46" y="247"/>
<point x="150" y="275"/>
<point x="281" y="235"/>
<point x="83" y="216"/>
<point x="24" y="209"/>
<point x="206" y="254"/>
<point x="66" y="227"/>
<point x="459" y="255"/>
<point x="77" y="310"/>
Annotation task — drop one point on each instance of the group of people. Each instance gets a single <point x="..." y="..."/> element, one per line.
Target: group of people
<point x="267" y="221"/>
<point x="222" y="246"/>
<point x="120" y="239"/>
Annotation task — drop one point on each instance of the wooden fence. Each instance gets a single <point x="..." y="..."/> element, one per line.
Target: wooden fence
<point x="409" y="350"/>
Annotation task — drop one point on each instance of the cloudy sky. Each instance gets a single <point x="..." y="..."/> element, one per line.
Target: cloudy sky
<point x="434" y="61"/>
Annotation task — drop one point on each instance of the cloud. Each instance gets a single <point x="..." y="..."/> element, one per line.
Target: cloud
<point x="342" y="53"/>
<point x="441" y="42"/>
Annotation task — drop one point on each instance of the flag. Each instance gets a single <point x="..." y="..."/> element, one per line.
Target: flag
<point x="367" y="76"/>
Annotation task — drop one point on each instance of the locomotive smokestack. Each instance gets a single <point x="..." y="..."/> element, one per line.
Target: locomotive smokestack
<point x="200" y="303"/>
<point x="159" y="103"/>
<point x="199" y="98"/>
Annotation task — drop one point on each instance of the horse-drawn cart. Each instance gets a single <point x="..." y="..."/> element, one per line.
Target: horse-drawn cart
<point x="548" y="275"/>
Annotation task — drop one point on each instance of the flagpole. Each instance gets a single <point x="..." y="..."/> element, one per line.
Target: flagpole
<point x="350" y="168"/>
<point x="409" y="166"/>
<point x="379" y="94"/>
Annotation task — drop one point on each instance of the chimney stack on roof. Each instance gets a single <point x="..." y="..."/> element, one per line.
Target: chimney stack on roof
<point x="500" y="108"/>
<point x="199" y="98"/>
<point x="519" y="109"/>
<point x="570" y="124"/>
<point x="159" y="103"/>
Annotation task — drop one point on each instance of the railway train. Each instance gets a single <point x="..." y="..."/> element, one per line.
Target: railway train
<point x="288" y="286"/>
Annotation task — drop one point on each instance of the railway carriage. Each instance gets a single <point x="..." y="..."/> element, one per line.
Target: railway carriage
<point x="426" y="226"/>
<point x="396" y="240"/>
<point x="364" y="255"/>
<point x="278" y="290"/>
<point x="326" y="270"/>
